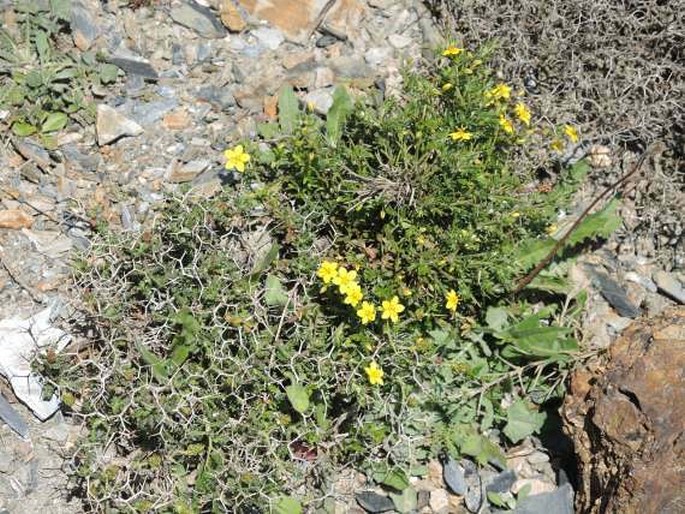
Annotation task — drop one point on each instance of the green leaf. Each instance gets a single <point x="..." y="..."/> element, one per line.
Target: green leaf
<point x="340" y="109"/>
<point x="496" y="318"/>
<point x="262" y="266"/>
<point x="108" y="73"/>
<point x="33" y="79"/>
<point x="288" y="109"/>
<point x="530" y="337"/>
<point x="158" y="366"/>
<point x="180" y="353"/>
<point x="287" y="505"/>
<point x="406" y="501"/>
<point x="482" y="449"/>
<point x="54" y="122"/>
<point x="61" y="9"/>
<point x="276" y="295"/>
<point x="298" y="397"/>
<point x="23" y="129"/>
<point x="395" y="478"/>
<point x="42" y="46"/>
<point x="501" y="500"/>
<point x="522" y="421"/>
<point x="268" y="130"/>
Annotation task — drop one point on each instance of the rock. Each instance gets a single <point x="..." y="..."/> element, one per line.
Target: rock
<point x="110" y="125"/>
<point x="670" y="286"/>
<point x="293" y="59"/>
<point x="534" y="486"/>
<point x="439" y="501"/>
<point x="422" y="499"/>
<point x="473" y="499"/>
<point x="325" y="41"/>
<point x="323" y="77"/>
<point x="12" y="418"/>
<point x="371" y="501"/>
<point x="453" y="475"/>
<point x="350" y="67"/>
<point x="149" y="113"/>
<point x="378" y="56"/>
<point x="558" y="502"/>
<point x="501" y="483"/>
<point x="231" y="16"/>
<point x="269" y="38"/>
<point x="320" y="100"/>
<point x="626" y="416"/>
<point x="177" y="120"/>
<point x="139" y="67"/>
<point x="15" y="219"/>
<point x="83" y="28"/>
<point x="199" y="18"/>
<point x="645" y="282"/>
<point x="613" y="293"/>
<point x="399" y="41"/>
<point x="219" y="97"/>
<point x="33" y="152"/>
<point x="188" y="171"/>
<point x="406" y="501"/>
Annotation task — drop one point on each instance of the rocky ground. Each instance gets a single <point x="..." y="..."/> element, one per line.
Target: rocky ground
<point x="193" y="78"/>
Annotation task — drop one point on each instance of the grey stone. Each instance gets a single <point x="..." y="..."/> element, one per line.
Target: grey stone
<point x="83" y="28"/>
<point x="148" y="113"/>
<point x="326" y="40"/>
<point x="473" y="499"/>
<point x="399" y="41"/>
<point x="33" y="152"/>
<point x="558" y="502"/>
<point x="378" y="55"/>
<point x="268" y="37"/>
<point x="204" y="51"/>
<point x="85" y="162"/>
<point x="645" y="282"/>
<point x="613" y="293"/>
<point x="320" y="99"/>
<point x="135" y="67"/>
<point x="12" y="418"/>
<point x="111" y="125"/>
<point x="501" y="483"/>
<point x="371" y="501"/>
<point x="198" y="18"/>
<point x="218" y="97"/>
<point x="177" y="55"/>
<point x="670" y="286"/>
<point x="350" y="67"/>
<point x="453" y="474"/>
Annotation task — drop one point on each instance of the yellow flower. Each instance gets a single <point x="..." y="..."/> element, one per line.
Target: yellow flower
<point x="327" y="271"/>
<point x="506" y="125"/>
<point x="447" y="86"/>
<point x="500" y="92"/>
<point x="353" y="294"/>
<point x="367" y="313"/>
<point x="551" y="230"/>
<point x="557" y="145"/>
<point x="461" y="134"/>
<point x="374" y="373"/>
<point x="344" y="279"/>
<point x="522" y="113"/>
<point x="236" y="158"/>
<point x="572" y="133"/>
<point x="392" y="309"/>
<point x="452" y="51"/>
<point x="451" y="300"/>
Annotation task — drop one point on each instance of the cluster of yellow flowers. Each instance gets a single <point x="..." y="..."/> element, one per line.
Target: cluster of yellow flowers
<point x="332" y="273"/>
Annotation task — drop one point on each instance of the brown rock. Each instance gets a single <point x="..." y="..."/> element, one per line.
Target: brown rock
<point x="628" y="423"/>
<point x="299" y="18"/>
<point x="271" y="106"/>
<point x="177" y="120"/>
<point x="231" y="16"/>
<point x="15" y="219"/>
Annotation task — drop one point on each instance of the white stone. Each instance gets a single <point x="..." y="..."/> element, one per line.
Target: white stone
<point x="110" y="125"/>
<point x="439" y="501"/>
<point x="399" y="41"/>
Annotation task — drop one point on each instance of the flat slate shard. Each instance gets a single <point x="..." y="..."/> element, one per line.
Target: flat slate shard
<point x="371" y="501"/>
<point x="135" y="67"/>
<point x="453" y="474"/>
<point x="199" y="18"/>
<point x="614" y="294"/>
<point x="12" y="418"/>
<point x="559" y="501"/>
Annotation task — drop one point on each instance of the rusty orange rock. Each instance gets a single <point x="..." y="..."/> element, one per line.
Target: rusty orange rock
<point x="15" y="219"/>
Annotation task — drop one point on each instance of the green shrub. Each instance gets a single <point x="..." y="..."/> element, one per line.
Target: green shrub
<point x="235" y="361"/>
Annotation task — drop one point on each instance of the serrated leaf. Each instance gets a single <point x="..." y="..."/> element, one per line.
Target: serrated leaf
<point x="287" y="505"/>
<point x="55" y="121"/>
<point x="298" y="397"/>
<point x="340" y="109"/>
<point x="522" y="421"/>
<point x="406" y="501"/>
<point x="395" y="478"/>
<point x="108" y="73"/>
<point x="288" y="109"/>
<point x="23" y="129"/>
<point x="275" y="295"/>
